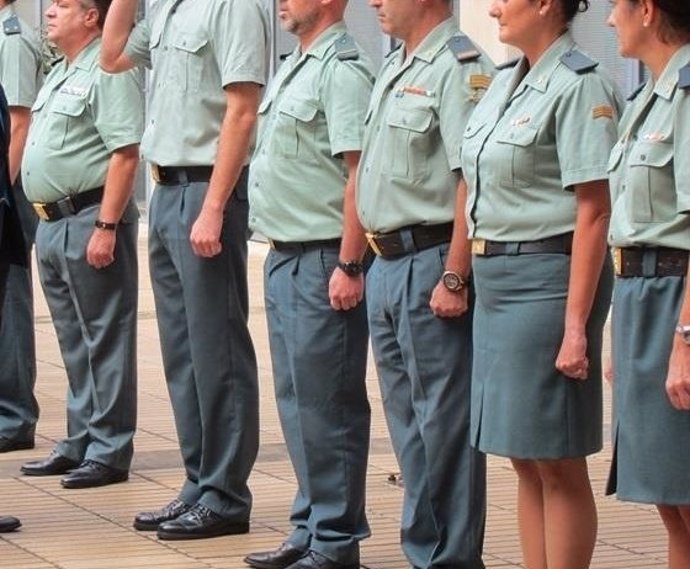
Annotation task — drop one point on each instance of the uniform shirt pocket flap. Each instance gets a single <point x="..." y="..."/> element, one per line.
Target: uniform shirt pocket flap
<point x="264" y="106"/>
<point x="615" y="157"/>
<point x="417" y="120"/>
<point x="190" y="43"/>
<point x="71" y="106"/>
<point x="473" y="129"/>
<point x="301" y="109"/>
<point x="651" y="154"/>
<point x="523" y="136"/>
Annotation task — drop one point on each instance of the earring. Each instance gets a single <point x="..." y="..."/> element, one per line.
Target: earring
<point x="645" y="23"/>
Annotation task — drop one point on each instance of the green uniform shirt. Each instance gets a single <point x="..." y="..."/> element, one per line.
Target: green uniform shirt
<point x="81" y="116"/>
<point x="413" y="135"/>
<point x="20" y="60"/>
<point x="313" y="112"/>
<point x="534" y="136"/>
<point x="195" y="49"/>
<point x="650" y="165"/>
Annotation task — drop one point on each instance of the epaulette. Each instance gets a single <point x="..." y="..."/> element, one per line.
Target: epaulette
<point x="636" y="91"/>
<point x="684" y="77"/>
<point x="507" y="64"/>
<point x="463" y="49"/>
<point x="346" y="48"/>
<point x="11" y="26"/>
<point x="578" y="62"/>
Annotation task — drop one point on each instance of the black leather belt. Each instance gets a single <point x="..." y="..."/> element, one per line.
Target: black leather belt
<point x="177" y="175"/>
<point x="562" y="244"/>
<point x="409" y="239"/>
<point x="650" y="262"/>
<point x="304" y="246"/>
<point x="70" y="205"/>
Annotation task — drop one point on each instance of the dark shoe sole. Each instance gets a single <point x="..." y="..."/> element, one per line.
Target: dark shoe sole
<point x="18" y="445"/>
<point x="260" y="565"/>
<point x="143" y="526"/>
<point x="229" y="529"/>
<point x="10" y="527"/>
<point x="60" y="472"/>
<point x="79" y="484"/>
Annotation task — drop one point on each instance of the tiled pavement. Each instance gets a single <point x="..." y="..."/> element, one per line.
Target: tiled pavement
<point x="91" y="529"/>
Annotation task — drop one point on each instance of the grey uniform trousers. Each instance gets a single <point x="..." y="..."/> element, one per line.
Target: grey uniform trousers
<point x="319" y="369"/>
<point x="94" y="312"/>
<point x="208" y="355"/>
<point x="424" y="367"/>
<point x="18" y="406"/>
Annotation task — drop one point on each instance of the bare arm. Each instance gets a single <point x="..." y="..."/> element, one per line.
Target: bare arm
<point x="445" y="303"/>
<point x="347" y="292"/>
<point x="678" y="379"/>
<point x="119" y="184"/>
<point x="233" y="145"/>
<point x="116" y="30"/>
<point x="589" y="249"/>
<point x="20" y="117"/>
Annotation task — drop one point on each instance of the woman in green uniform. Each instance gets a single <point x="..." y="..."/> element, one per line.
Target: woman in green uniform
<point x="534" y="159"/>
<point x="650" y="233"/>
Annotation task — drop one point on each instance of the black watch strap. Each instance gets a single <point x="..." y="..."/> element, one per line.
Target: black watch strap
<point x="105" y="225"/>
<point x="351" y="268"/>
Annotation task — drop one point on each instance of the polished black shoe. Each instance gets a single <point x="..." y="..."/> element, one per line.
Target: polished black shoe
<point x="149" y="521"/>
<point x="8" y="523"/>
<point x="54" y="464"/>
<point x="198" y="523"/>
<point x="279" y="558"/>
<point x="90" y="474"/>
<point x="8" y="445"/>
<point x="314" y="560"/>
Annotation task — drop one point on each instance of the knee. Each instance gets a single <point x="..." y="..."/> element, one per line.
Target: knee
<point x="567" y="474"/>
<point x="674" y="521"/>
<point x="526" y="470"/>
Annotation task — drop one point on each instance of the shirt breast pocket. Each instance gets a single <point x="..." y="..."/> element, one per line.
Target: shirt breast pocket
<point x="65" y="113"/>
<point x="296" y="131"/>
<point x="651" y="182"/>
<point x="410" y="142"/>
<point x="190" y="52"/>
<point x="516" y="160"/>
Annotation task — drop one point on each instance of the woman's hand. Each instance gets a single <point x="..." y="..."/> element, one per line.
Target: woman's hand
<point x="572" y="358"/>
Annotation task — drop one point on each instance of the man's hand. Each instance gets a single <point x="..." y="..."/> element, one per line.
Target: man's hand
<point x="447" y="304"/>
<point x="345" y="292"/>
<point x="205" y="234"/>
<point x="100" y="252"/>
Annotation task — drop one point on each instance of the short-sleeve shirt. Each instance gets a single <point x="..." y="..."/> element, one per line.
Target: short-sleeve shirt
<point x="21" y="70"/>
<point x="80" y="117"/>
<point x="537" y="133"/>
<point x="650" y="165"/>
<point x="413" y="134"/>
<point x="312" y="113"/>
<point x="195" y="49"/>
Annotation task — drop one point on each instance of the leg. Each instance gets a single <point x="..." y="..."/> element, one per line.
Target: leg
<point x="531" y="514"/>
<point x="570" y="516"/>
<point x="677" y="523"/>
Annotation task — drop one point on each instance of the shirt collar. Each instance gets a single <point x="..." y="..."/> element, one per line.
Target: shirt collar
<point x="6" y="11"/>
<point x="539" y="76"/>
<point x="87" y="57"/>
<point x="433" y="43"/>
<point x="320" y="46"/>
<point x="668" y="81"/>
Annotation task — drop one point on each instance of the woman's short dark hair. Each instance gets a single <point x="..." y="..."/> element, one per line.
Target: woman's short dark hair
<point x="572" y="7"/>
<point x="675" y="20"/>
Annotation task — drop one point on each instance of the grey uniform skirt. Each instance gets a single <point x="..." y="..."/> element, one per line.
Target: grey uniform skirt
<point x="651" y="438"/>
<point x="522" y="406"/>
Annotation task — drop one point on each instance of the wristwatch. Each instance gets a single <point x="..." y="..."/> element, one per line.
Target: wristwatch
<point x="683" y="330"/>
<point x="351" y="268"/>
<point x="105" y="225"/>
<point x="453" y="281"/>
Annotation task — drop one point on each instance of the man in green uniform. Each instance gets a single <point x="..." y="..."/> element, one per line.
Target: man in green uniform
<point x="208" y="61"/>
<point x="417" y="289"/>
<point x="301" y="190"/>
<point x="21" y="76"/>
<point x="78" y="171"/>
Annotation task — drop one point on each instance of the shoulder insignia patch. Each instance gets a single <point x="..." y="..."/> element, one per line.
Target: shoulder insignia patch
<point x="578" y="62"/>
<point x="684" y="77"/>
<point x="636" y="91"/>
<point x="11" y="26"/>
<point x="507" y="64"/>
<point x="463" y="49"/>
<point x="346" y="48"/>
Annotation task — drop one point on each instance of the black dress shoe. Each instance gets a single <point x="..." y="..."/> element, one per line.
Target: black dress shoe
<point x="149" y="521"/>
<point x="8" y="523"/>
<point x="279" y="558"/>
<point x="8" y="445"/>
<point x="198" y="523"/>
<point x="54" y="464"/>
<point x="314" y="560"/>
<point x="91" y="474"/>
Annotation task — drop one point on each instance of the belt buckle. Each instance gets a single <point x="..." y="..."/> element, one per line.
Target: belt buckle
<point x="371" y="238"/>
<point x="271" y="243"/>
<point x="156" y="173"/>
<point x="618" y="261"/>
<point x="479" y="246"/>
<point x="41" y="211"/>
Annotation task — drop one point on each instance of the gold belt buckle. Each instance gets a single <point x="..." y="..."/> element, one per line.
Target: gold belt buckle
<point x="479" y="246"/>
<point x="41" y="212"/>
<point x="155" y="173"/>
<point x="271" y="243"/>
<point x="371" y="238"/>
<point x="618" y="261"/>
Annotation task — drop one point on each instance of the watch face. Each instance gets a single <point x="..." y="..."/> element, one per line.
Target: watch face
<point x="452" y="281"/>
<point x="351" y="268"/>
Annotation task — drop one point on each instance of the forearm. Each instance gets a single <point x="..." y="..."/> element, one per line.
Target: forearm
<point x="354" y="243"/>
<point x="119" y="183"/>
<point x="116" y="30"/>
<point x="459" y="258"/>
<point x="20" y="118"/>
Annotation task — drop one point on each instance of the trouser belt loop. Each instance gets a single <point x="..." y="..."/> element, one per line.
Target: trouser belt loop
<point x="513" y="248"/>
<point x="649" y="262"/>
<point x="408" y="240"/>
